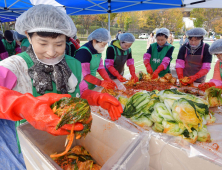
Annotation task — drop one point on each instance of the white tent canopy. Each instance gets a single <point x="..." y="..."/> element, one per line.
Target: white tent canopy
<point x="203" y="3"/>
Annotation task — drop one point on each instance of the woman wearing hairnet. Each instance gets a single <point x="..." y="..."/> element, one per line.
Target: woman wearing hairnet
<point x="216" y="49"/>
<point x="44" y="74"/>
<point x="194" y="59"/>
<point x="10" y="44"/>
<point x="3" y="52"/>
<point x="158" y="56"/>
<point x="21" y="40"/>
<point x="119" y="53"/>
<point x="91" y="58"/>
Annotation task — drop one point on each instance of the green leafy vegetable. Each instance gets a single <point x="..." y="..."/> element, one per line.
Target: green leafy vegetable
<point x="162" y="110"/>
<point x="184" y="111"/>
<point x="203" y="135"/>
<point x="123" y="100"/>
<point x="141" y="120"/>
<point x="190" y="136"/>
<point x="213" y="95"/>
<point x="172" y="128"/>
<point x="158" y="127"/>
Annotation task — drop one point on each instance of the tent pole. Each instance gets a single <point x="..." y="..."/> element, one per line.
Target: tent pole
<point x="109" y="21"/>
<point x="109" y="11"/>
<point x="109" y="25"/>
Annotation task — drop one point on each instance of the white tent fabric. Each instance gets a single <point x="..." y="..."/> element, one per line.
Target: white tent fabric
<point x="49" y="2"/>
<point x="203" y="3"/>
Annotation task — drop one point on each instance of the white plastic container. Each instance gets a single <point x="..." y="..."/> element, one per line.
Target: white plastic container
<point x="111" y="145"/>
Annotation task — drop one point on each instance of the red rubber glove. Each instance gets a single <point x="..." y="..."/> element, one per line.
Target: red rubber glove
<point x="148" y="66"/>
<point x="108" y="84"/>
<point x="205" y="86"/>
<point x="36" y="110"/>
<point x="75" y="43"/>
<point x="104" y="100"/>
<point x="121" y="78"/>
<point x="115" y="73"/>
<point x="180" y="75"/>
<point x="198" y="75"/>
<point x="104" y="83"/>
<point x="92" y="79"/>
<point x="78" y="41"/>
<point x="105" y="76"/>
<point x="133" y="74"/>
<point x="219" y="87"/>
<point x="157" y="71"/>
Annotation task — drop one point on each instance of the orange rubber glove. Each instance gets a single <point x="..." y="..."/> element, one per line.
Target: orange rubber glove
<point x="133" y="74"/>
<point x="104" y="100"/>
<point x="104" y="83"/>
<point x="198" y="75"/>
<point x="205" y="86"/>
<point x="36" y="110"/>
<point x="115" y="73"/>
<point x="148" y="67"/>
<point x="157" y="71"/>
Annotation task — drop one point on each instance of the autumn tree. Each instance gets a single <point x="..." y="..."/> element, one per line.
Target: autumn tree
<point x="149" y="20"/>
<point x="134" y="22"/>
<point x="218" y="26"/>
<point x="103" y="19"/>
<point x="84" y="20"/>
<point x="172" y="19"/>
<point x="197" y="15"/>
<point x="205" y="17"/>
<point x="120" y="20"/>
<point x="124" y="20"/>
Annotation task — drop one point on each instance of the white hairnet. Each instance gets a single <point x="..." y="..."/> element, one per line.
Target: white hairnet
<point x="101" y="35"/>
<point x="17" y="36"/>
<point x="126" y="37"/>
<point x="164" y="31"/>
<point x="216" y="47"/>
<point x="45" y="18"/>
<point x="196" y="32"/>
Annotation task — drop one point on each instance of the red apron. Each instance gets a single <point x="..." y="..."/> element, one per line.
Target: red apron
<point x="193" y="64"/>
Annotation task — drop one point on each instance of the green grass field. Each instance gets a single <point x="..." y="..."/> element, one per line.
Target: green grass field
<point x="139" y="48"/>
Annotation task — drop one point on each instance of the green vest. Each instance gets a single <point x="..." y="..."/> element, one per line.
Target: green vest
<point x="25" y="42"/>
<point x="69" y="47"/>
<point x="94" y="65"/>
<point x="157" y="58"/>
<point x="73" y="64"/>
<point x="120" y="58"/>
<point x="10" y="47"/>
